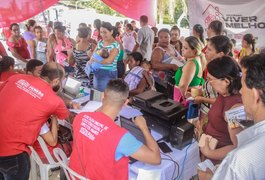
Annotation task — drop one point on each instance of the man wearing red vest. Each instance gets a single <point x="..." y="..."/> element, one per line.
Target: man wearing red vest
<point x="26" y="104"/>
<point x="101" y="148"/>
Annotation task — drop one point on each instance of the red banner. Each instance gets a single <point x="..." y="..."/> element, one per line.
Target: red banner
<point x="134" y="9"/>
<point x="15" y="11"/>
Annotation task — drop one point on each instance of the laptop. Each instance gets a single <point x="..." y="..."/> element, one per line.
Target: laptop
<point x="71" y="87"/>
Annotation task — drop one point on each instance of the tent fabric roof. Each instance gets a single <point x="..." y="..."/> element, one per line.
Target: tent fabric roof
<point x="15" y="11"/>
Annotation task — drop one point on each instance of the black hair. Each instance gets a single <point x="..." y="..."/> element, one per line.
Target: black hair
<point x="5" y="63"/>
<point x="199" y="29"/>
<point x="37" y="27"/>
<point x="129" y="26"/>
<point x="32" y="64"/>
<point x="52" y="71"/>
<point x="255" y="72"/>
<point x="60" y="28"/>
<point x="249" y="38"/>
<point x="144" y="19"/>
<point x="155" y="30"/>
<point x="217" y="27"/>
<point x="234" y="42"/>
<point x="118" y="86"/>
<point x="13" y="24"/>
<point x="221" y="43"/>
<point x="175" y="28"/>
<point x="165" y="30"/>
<point x="117" y="24"/>
<point x="97" y="24"/>
<point x="226" y="67"/>
<point x="84" y="32"/>
<point x="109" y="27"/>
<point x="57" y="23"/>
<point x="83" y="25"/>
<point x="137" y="56"/>
<point x="30" y="23"/>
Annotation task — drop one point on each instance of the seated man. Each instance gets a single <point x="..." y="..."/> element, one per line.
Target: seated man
<point x="26" y="104"/>
<point x="33" y="67"/>
<point x="101" y="148"/>
<point x="247" y="160"/>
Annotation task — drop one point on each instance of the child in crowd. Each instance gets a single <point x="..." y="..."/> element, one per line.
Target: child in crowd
<point x="138" y="78"/>
<point x="97" y="56"/>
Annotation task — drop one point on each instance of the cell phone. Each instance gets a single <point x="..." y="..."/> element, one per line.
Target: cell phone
<point x="164" y="147"/>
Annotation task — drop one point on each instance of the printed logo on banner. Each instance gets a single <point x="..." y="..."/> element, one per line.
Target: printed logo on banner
<point x="212" y="13"/>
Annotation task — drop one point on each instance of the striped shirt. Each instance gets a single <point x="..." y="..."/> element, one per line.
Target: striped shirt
<point x="113" y="65"/>
<point x="134" y="77"/>
<point x="247" y="161"/>
<point x="81" y="59"/>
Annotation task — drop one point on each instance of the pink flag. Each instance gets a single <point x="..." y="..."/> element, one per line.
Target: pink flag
<point x="135" y="8"/>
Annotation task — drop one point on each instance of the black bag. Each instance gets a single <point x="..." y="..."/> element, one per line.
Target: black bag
<point x="64" y="134"/>
<point x="64" y="139"/>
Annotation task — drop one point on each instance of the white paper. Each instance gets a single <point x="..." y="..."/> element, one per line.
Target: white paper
<point x="236" y="113"/>
<point x="129" y="112"/>
<point x="82" y="100"/>
<point x="177" y="62"/>
<point x="41" y="46"/>
<point x="91" y="106"/>
<point x="206" y="164"/>
<point x="148" y="174"/>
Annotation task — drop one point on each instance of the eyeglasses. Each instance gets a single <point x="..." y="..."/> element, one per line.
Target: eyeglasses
<point x="15" y="30"/>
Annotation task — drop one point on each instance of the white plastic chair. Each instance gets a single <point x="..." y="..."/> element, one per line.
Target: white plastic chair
<point x="35" y="159"/>
<point x="63" y="161"/>
<point x="44" y="167"/>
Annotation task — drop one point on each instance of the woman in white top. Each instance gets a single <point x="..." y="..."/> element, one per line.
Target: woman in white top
<point x="128" y="38"/>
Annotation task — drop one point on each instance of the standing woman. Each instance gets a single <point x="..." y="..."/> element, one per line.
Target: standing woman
<point x="198" y="31"/>
<point x="248" y="46"/>
<point x="96" y="34"/>
<point x="29" y="34"/>
<point x="38" y="46"/>
<point x="161" y="59"/>
<point x="108" y="70"/>
<point x="190" y="75"/>
<point x="81" y="54"/>
<point x="17" y="44"/>
<point x="129" y="38"/>
<point x="59" y="46"/>
<point x="174" y="38"/>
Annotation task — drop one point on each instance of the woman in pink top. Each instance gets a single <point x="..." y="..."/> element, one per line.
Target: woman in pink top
<point x="128" y="38"/>
<point x="224" y="77"/>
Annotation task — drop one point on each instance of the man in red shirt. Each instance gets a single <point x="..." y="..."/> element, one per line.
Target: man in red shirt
<point x="101" y="148"/>
<point x="26" y="104"/>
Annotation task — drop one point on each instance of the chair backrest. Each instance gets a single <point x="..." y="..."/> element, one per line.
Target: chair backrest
<point x="46" y="151"/>
<point x="63" y="161"/>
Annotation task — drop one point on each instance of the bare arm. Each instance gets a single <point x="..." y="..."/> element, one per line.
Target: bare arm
<point x="201" y="99"/>
<point x="50" y="51"/>
<point x="156" y="58"/>
<point x="188" y="73"/>
<point x="148" y="153"/>
<point x="51" y="137"/>
<point x="32" y="49"/>
<point x="140" y="88"/>
<point x="220" y="153"/>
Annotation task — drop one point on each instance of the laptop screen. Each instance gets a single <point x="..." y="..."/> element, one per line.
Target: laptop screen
<point x="72" y="86"/>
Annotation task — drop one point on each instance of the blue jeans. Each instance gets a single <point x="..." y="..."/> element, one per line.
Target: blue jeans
<point x="15" y="167"/>
<point x="102" y="77"/>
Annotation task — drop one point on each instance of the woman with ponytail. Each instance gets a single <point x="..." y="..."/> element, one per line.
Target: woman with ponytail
<point x="190" y="75"/>
<point x="198" y="31"/>
<point x="29" y="34"/>
<point x="248" y="46"/>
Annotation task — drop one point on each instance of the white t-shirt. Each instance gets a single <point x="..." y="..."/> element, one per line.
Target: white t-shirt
<point x="44" y="129"/>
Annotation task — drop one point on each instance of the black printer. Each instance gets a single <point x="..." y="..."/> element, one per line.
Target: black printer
<point x="159" y="111"/>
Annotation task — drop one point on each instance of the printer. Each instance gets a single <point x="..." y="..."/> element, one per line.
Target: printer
<point x="160" y="112"/>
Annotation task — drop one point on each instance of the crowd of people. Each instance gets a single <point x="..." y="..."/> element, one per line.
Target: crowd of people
<point x="123" y="61"/>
